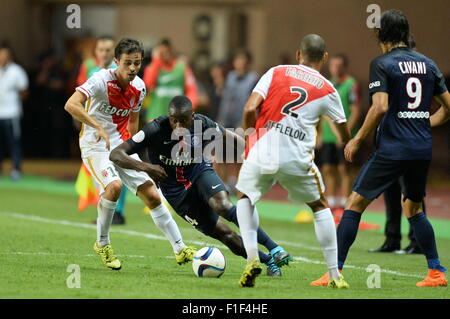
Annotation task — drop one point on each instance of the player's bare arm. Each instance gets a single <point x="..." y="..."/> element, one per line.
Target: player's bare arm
<point x="355" y="114"/>
<point x="133" y="123"/>
<point x="74" y="106"/>
<point x="342" y="132"/>
<point x="253" y="102"/>
<point x="378" y="109"/>
<point x="319" y="133"/>
<point x="121" y="157"/>
<point x="442" y="115"/>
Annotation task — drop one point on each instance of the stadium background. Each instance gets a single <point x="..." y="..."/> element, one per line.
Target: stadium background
<point x="204" y="31"/>
<point x="270" y="30"/>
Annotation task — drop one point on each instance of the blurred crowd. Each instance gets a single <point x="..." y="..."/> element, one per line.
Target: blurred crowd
<point x="42" y="129"/>
<point x="38" y="127"/>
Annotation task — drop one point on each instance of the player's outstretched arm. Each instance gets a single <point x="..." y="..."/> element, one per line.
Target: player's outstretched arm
<point x="343" y="133"/>
<point x="121" y="157"/>
<point x="355" y="116"/>
<point x="376" y="112"/>
<point x="133" y="123"/>
<point x="74" y="106"/>
<point x="340" y="130"/>
<point x="253" y="102"/>
<point x="442" y="115"/>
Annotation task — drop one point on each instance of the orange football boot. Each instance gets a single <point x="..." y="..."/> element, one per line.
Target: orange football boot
<point x="322" y="281"/>
<point x="434" y="278"/>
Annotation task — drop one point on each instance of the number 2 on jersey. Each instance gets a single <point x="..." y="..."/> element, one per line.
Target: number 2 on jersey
<point x="295" y="104"/>
<point x="414" y="92"/>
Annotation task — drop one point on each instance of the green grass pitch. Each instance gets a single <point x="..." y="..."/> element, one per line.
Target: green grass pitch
<point x="43" y="233"/>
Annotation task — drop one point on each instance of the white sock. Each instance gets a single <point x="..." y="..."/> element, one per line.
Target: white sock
<point x="326" y="235"/>
<point x="248" y="220"/>
<point x="332" y="201"/>
<point x="163" y="219"/>
<point x="105" y="209"/>
<point x="343" y="201"/>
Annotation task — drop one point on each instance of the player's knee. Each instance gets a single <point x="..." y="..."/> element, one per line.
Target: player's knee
<point x="153" y="198"/>
<point x="357" y="202"/>
<point x="149" y="194"/>
<point x="319" y="204"/>
<point x="228" y="237"/>
<point x="411" y="208"/>
<point x="221" y="206"/>
<point x="113" y="189"/>
<point x="352" y="201"/>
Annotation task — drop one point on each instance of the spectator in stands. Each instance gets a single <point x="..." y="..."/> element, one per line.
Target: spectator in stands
<point x="13" y="89"/>
<point x="53" y="120"/>
<point x="211" y="92"/>
<point x="239" y="84"/>
<point x="166" y="77"/>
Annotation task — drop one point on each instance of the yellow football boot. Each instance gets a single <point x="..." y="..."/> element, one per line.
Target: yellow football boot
<point x="108" y="258"/>
<point x="338" y="284"/>
<point x="186" y="255"/>
<point x="252" y="270"/>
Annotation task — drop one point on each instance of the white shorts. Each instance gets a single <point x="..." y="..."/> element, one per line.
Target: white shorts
<point x="302" y="188"/>
<point x="104" y="172"/>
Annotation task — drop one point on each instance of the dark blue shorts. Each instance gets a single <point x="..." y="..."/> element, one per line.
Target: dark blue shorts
<point x="331" y="154"/>
<point x="379" y="173"/>
<point x="193" y="205"/>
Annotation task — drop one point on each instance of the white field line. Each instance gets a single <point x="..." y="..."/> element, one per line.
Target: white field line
<point x="386" y="271"/>
<point x="44" y="253"/>
<point x="152" y="236"/>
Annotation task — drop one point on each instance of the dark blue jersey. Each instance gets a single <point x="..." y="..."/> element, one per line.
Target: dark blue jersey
<point x="182" y="158"/>
<point x="411" y="80"/>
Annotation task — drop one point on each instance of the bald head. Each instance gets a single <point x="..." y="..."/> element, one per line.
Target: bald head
<point x="312" y="47"/>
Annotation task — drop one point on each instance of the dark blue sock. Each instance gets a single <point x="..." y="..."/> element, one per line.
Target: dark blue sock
<point x="263" y="238"/>
<point x="346" y="234"/>
<point x="425" y="238"/>
<point x="264" y="257"/>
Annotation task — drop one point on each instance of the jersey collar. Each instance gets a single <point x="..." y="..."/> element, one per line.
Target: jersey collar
<point x="308" y="68"/>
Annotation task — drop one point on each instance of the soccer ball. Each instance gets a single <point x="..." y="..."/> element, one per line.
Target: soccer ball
<point x="209" y="262"/>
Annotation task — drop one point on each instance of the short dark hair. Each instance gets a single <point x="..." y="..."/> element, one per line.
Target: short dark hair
<point x="313" y="47"/>
<point x="4" y="44"/>
<point x="128" y="46"/>
<point x="341" y="56"/>
<point x="180" y="102"/>
<point x="105" y="38"/>
<point x="166" y="42"/>
<point x="246" y="53"/>
<point x="411" y="42"/>
<point x="394" y="27"/>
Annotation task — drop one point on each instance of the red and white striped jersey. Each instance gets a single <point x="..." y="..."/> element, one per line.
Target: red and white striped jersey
<point x="295" y="97"/>
<point x="109" y="105"/>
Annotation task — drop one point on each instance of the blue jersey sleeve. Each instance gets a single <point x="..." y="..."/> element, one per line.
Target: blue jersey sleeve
<point x="378" y="79"/>
<point x="439" y="83"/>
<point x="142" y="139"/>
<point x="208" y="123"/>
